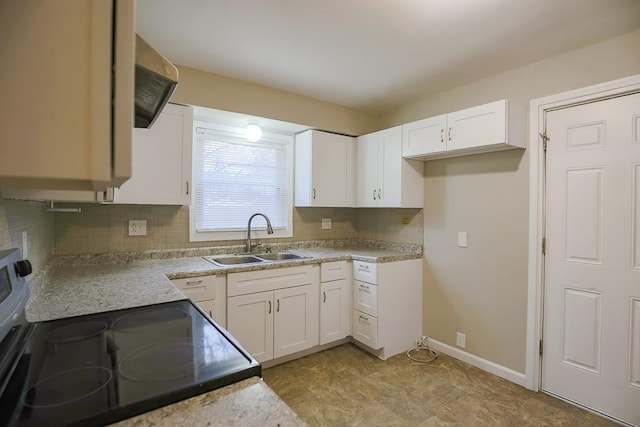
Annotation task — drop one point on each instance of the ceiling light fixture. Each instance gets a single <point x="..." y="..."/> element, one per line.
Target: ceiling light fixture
<point x="253" y="132"/>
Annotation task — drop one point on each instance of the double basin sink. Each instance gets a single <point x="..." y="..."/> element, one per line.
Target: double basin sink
<point x="227" y="260"/>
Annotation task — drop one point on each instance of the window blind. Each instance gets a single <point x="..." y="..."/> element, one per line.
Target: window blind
<point x="235" y="178"/>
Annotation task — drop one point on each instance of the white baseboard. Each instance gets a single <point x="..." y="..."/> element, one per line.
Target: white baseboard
<point x="478" y="362"/>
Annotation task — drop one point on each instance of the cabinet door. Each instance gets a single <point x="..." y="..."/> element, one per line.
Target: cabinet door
<point x="425" y="136"/>
<point x="368" y="157"/>
<point x="161" y="161"/>
<point x="57" y="68"/>
<point x="335" y="310"/>
<point x="390" y="168"/>
<point x="296" y="319"/>
<point x="477" y="126"/>
<point x="365" y="329"/>
<point x="250" y="320"/>
<point x="333" y="172"/>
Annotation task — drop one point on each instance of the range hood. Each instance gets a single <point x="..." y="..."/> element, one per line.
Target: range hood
<point x="156" y="79"/>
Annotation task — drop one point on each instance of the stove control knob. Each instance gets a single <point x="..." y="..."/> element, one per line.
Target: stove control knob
<point x="23" y="268"/>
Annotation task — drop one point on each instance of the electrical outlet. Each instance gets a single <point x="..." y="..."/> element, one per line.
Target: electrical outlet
<point x="461" y="340"/>
<point x="326" y="223"/>
<point x="137" y="227"/>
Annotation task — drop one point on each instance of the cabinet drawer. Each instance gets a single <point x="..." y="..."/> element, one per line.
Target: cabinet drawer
<point x="249" y="282"/>
<point x="199" y="288"/>
<point x="365" y="297"/>
<point x="365" y="329"/>
<point x="365" y="271"/>
<point x="334" y="270"/>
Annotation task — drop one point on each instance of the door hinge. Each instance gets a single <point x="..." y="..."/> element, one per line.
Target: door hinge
<point x="540" y="348"/>
<point x="544" y="246"/>
<point x="545" y="140"/>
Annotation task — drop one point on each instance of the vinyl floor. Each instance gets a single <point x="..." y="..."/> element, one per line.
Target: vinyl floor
<point x="346" y="386"/>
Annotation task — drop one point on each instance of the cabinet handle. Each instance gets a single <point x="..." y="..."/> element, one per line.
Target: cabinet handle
<point x="269" y="307"/>
<point x="366" y="288"/>
<point x="379" y="194"/>
<point x="194" y="282"/>
<point x="364" y="318"/>
<point x="324" y="297"/>
<point x="441" y="134"/>
<point x="314" y="194"/>
<point x="187" y="188"/>
<point x="449" y="134"/>
<point x="210" y="314"/>
<point x="374" y="194"/>
<point x="278" y="305"/>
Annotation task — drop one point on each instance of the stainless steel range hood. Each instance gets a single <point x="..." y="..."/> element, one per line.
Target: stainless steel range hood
<point x="156" y="79"/>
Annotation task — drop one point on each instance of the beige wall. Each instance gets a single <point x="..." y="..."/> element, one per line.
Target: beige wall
<point x="32" y="217"/>
<point x="211" y="90"/>
<point x="481" y="290"/>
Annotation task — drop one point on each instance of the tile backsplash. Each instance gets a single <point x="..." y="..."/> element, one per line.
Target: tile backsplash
<point x="104" y="228"/>
<point x="17" y="217"/>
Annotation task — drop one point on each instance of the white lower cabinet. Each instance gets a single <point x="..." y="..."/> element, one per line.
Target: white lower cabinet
<point x="387" y="305"/>
<point x="209" y="293"/>
<point x="274" y="312"/>
<point x="335" y="301"/>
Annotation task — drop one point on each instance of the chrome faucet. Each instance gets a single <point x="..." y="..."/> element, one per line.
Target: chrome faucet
<point x="269" y="230"/>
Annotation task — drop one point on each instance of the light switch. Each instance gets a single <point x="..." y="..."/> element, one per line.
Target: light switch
<point x="463" y="239"/>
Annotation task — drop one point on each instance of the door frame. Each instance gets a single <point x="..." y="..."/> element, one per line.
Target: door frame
<point x="535" y="289"/>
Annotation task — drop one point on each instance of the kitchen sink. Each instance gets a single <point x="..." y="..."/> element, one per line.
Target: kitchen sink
<point x="280" y="256"/>
<point x="233" y="259"/>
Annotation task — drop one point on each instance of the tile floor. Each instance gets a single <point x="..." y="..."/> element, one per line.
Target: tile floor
<point x="346" y="386"/>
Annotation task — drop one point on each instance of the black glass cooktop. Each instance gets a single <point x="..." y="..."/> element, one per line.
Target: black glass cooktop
<point x="105" y="367"/>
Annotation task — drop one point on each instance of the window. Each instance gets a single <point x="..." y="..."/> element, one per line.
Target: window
<point x="234" y="178"/>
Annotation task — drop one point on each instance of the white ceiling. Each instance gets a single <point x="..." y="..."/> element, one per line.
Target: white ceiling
<point x="374" y="55"/>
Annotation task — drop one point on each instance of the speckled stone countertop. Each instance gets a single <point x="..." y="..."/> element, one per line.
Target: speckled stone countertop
<point x="247" y="403"/>
<point x="81" y="285"/>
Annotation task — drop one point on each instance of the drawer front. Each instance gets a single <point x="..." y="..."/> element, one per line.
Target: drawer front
<point x="199" y="288"/>
<point x="365" y="271"/>
<point x="334" y="270"/>
<point x="365" y="297"/>
<point x="250" y="282"/>
<point x="365" y="329"/>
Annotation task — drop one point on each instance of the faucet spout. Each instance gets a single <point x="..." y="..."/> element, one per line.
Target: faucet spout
<point x="269" y="229"/>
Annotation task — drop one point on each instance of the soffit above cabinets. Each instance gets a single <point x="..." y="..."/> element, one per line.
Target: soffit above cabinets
<point x="374" y="55"/>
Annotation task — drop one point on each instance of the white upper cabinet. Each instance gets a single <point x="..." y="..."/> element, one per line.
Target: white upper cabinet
<point x="67" y="105"/>
<point x="161" y="161"/>
<point x="489" y="127"/>
<point x="324" y="170"/>
<point x="385" y="179"/>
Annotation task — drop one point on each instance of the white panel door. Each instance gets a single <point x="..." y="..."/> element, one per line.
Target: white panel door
<point x="335" y="310"/>
<point x="390" y="178"/>
<point x="426" y="136"/>
<point x="591" y="328"/>
<point x="368" y="157"/>
<point x="477" y="126"/>
<point x="296" y="320"/>
<point x="250" y="321"/>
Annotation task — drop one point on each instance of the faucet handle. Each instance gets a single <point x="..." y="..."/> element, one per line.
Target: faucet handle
<point x="254" y="246"/>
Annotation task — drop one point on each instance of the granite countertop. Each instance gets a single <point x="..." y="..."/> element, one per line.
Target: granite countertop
<point x="79" y="285"/>
<point x="248" y="403"/>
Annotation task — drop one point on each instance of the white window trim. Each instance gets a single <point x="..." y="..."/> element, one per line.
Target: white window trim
<point x="258" y="226"/>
